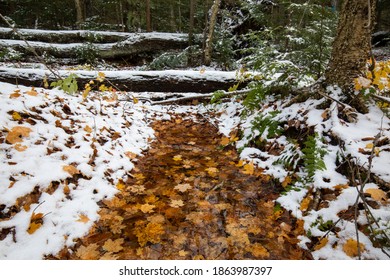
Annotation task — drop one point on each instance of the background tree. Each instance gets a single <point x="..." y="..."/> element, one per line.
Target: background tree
<point x="209" y="40"/>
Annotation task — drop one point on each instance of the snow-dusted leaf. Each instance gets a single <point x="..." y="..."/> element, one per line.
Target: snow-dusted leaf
<point x="176" y="203"/>
<point x="83" y="219"/>
<point x="183" y="187"/>
<point x="377" y="194"/>
<point x="113" y="246"/>
<point x="351" y="248"/>
<point x="71" y="169"/>
<point x="17" y="133"/>
<point x="89" y="252"/>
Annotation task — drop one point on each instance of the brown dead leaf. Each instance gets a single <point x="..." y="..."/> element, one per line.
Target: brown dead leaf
<point x="130" y="155"/>
<point x="113" y="246"/>
<point x="66" y="189"/>
<point x="225" y="141"/>
<point x="138" y="189"/>
<point x="148" y="232"/>
<point x="321" y="244"/>
<point x="88" y="253"/>
<point x="341" y="187"/>
<point x="351" y="248"/>
<point x="377" y="194"/>
<point x="70" y="169"/>
<point x="83" y="219"/>
<point x="16" y="133"/>
<point x="212" y="171"/>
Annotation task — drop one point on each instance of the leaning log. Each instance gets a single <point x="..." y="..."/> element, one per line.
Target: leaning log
<point x="132" y="47"/>
<point x="135" y="81"/>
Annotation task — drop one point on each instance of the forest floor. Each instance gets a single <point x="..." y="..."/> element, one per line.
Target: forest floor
<point x="191" y="197"/>
<point x="113" y="177"/>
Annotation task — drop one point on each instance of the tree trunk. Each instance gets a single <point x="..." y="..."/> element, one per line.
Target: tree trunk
<point x="192" y="22"/>
<point x="209" y="40"/>
<point x="80" y="12"/>
<point x="352" y="46"/>
<point x="148" y="17"/>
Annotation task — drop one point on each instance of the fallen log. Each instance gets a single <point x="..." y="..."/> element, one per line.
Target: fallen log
<point x="63" y="36"/>
<point x="136" y="45"/>
<point x="135" y="81"/>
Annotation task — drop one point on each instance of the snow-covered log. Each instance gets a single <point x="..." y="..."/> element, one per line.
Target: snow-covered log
<point x="133" y="46"/>
<point x="137" y="81"/>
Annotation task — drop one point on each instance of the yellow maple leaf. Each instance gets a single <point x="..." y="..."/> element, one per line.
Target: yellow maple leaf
<point x="16" y="134"/>
<point x="351" y="248"/>
<point x="212" y="171"/>
<point x="88" y="129"/>
<point x="113" y="246"/>
<point x="183" y="253"/>
<point x="16" y="116"/>
<point x="147" y="208"/>
<point x="177" y="158"/>
<point x="321" y="244"/>
<point x="148" y="232"/>
<point x="15" y="94"/>
<point x="249" y="168"/>
<point x="287" y="181"/>
<point x="83" y="219"/>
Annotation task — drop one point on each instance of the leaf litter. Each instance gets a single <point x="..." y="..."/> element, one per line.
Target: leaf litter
<point x="188" y="198"/>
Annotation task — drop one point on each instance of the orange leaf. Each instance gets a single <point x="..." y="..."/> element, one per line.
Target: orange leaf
<point x="32" y="92"/>
<point x="35" y="222"/>
<point x="120" y="185"/>
<point x="249" y="168"/>
<point x="259" y="251"/>
<point x="88" y="253"/>
<point x="225" y="141"/>
<point x="83" y="219"/>
<point x="71" y="169"/>
<point x="305" y="203"/>
<point x="286" y="181"/>
<point x="88" y="129"/>
<point x="130" y="155"/>
<point x="15" y="94"/>
<point x="377" y="194"/>
<point x="147" y="208"/>
<point x="16" y="134"/>
<point x="20" y="148"/>
<point x="351" y="247"/>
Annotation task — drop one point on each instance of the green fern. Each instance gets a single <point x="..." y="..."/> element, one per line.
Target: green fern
<point x="290" y="157"/>
<point x="217" y="97"/>
<point x="313" y="154"/>
<point x="266" y="126"/>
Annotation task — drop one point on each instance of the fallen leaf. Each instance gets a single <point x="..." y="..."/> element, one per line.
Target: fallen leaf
<point x="83" y="219"/>
<point x="88" y="253"/>
<point x="88" y="129"/>
<point x="32" y="92"/>
<point x="177" y="158"/>
<point x="130" y="155"/>
<point x="176" y="203"/>
<point x="147" y="208"/>
<point x="20" y="148"/>
<point x="305" y="203"/>
<point x="66" y="190"/>
<point x="120" y="185"/>
<point x="113" y="246"/>
<point x="183" y="187"/>
<point x="249" y="168"/>
<point x="138" y="189"/>
<point x="183" y="253"/>
<point x="377" y="194"/>
<point x="259" y="251"/>
<point x="36" y="222"/>
<point x="321" y="244"/>
<point x="16" y="133"/>
<point x="71" y="169"/>
<point x="287" y="181"/>
<point x="212" y="171"/>
<point x="225" y="141"/>
<point x="16" y="116"/>
<point x="15" y="94"/>
<point x="351" y="248"/>
<point x="148" y="232"/>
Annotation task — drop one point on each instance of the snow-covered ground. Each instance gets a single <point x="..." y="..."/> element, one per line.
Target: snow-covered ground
<point x="71" y="153"/>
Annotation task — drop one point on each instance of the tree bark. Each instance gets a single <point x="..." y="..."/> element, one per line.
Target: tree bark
<point x="80" y="11"/>
<point x="148" y="17"/>
<point x="209" y="40"/>
<point x="352" y="46"/>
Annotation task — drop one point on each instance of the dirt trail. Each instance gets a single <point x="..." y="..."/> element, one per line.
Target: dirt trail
<point x="191" y="198"/>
